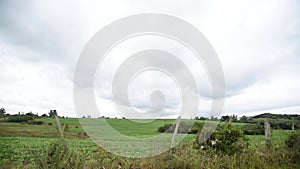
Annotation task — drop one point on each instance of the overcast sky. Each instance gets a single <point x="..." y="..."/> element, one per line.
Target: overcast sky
<point x="257" y="42"/>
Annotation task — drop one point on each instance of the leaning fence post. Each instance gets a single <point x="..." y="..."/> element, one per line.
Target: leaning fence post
<point x="175" y="132"/>
<point x="268" y="134"/>
<point x="60" y="131"/>
<point x="293" y="124"/>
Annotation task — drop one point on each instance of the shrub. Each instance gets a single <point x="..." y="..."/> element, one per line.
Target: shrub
<point x="35" y="122"/>
<point x="165" y="127"/>
<point x="225" y="139"/>
<point x="184" y="127"/>
<point x="293" y="141"/>
<point x="196" y="128"/>
<point x="293" y="144"/>
<point x="19" y="119"/>
<point x="253" y="129"/>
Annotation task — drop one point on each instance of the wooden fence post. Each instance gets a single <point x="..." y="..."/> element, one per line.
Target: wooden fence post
<point x="293" y="124"/>
<point x="59" y="128"/>
<point x="268" y="134"/>
<point x="175" y="132"/>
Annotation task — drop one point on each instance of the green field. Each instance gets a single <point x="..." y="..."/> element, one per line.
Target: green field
<point x="20" y="142"/>
<point x="123" y="126"/>
<point x="278" y="138"/>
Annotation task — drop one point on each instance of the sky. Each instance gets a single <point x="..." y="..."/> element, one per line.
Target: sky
<point x="257" y="42"/>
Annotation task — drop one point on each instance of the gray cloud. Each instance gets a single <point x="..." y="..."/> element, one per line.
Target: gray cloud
<point x="257" y="43"/>
<point x="22" y="27"/>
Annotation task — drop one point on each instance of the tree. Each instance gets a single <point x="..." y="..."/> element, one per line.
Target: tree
<point x="29" y="114"/>
<point x="44" y="115"/>
<point x="212" y="118"/>
<point x="202" y="118"/>
<point x="244" y="119"/>
<point x="2" y="111"/>
<point x="52" y="113"/>
<point x="225" y="118"/>
<point x="233" y="118"/>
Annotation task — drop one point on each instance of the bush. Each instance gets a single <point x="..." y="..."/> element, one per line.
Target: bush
<point x="35" y="122"/>
<point x="253" y="129"/>
<point x="196" y="128"/>
<point x="293" y="141"/>
<point x="19" y="119"/>
<point x="165" y="128"/>
<point x="184" y="127"/>
<point x="293" y="144"/>
<point x="226" y="139"/>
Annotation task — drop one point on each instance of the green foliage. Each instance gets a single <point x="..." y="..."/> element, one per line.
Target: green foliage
<point x="31" y="114"/>
<point x="225" y="118"/>
<point x="23" y="119"/>
<point x="293" y="141"/>
<point x="200" y="118"/>
<point x="31" y="152"/>
<point x="58" y="156"/>
<point x="226" y="139"/>
<point x="278" y="116"/>
<point x="19" y="119"/>
<point x="164" y="128"/>
<point x="232" y="118"/>
<point x="293" y="144"/>
<point x="196" y="128"/>
<point x="35" y="122"/>
<point x="245" y="119"/>
<point x="184" y="127"/>
<point x="35" y="152"/>
<point x="253" y="129"/>
<point x="280" y="124"/>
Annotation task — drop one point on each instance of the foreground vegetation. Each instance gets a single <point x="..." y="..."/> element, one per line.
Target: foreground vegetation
<point x="55" y="155"/>
<point x="238" y="145"/>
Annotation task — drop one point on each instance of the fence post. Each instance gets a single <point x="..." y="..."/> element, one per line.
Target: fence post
<point x="59" y="128"/>
<point x="175" y="132"/>
<point x="268" y="134"/>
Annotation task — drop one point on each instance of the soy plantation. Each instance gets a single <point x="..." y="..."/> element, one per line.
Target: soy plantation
<point x="38" y="145"/>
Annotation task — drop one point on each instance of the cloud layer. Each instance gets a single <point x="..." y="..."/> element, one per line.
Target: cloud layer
<point x="257" y="44"/>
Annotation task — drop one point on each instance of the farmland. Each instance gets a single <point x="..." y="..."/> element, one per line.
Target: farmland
<point x="22" y="144"/>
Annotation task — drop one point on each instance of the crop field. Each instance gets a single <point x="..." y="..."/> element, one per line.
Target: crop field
<point x="22" y="144"/>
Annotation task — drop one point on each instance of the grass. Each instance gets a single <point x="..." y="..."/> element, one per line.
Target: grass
<point x="22" y="152"/>
<point x="20" y="142"/>
<point x="23" y="149"/>
<point x="73" y="121"/>
<point x="123" y="126"/>
<point x="140" y="129"/>
<point x="278" y="138"/>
